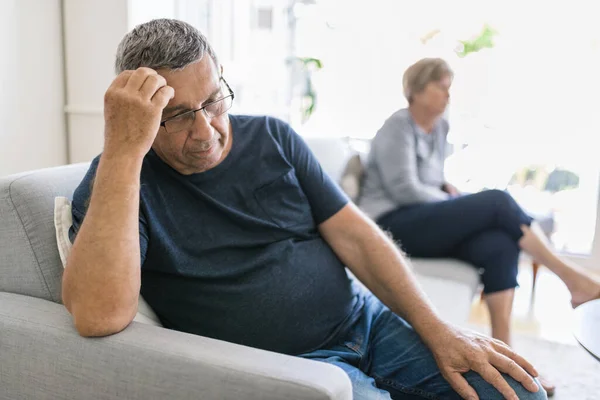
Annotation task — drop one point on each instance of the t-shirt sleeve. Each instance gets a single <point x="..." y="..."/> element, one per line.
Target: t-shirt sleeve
<point x="324" y="195"/>
<point x="80" y="203"/>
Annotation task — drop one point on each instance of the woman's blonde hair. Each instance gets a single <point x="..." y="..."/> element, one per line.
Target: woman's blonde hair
<point x="418" y="75"/>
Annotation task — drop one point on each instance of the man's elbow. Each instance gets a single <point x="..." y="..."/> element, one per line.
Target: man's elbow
<point x="94" y="320"/>
<point x="99" y="327"/>
<point x="90" y="330"/>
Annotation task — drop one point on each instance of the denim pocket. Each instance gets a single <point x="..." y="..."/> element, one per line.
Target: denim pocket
<point x="284" y="202"/>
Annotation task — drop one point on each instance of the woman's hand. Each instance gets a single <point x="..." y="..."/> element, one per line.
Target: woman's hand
<point x="450" y="189"/>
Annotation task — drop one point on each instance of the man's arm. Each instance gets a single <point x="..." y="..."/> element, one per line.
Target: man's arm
<point x="101" y="282"/>
<point x="374" y="260"/>
<point x="378" y="263"/>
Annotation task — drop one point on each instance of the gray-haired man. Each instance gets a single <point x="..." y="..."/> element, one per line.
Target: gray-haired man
<point x="232" y="230"/>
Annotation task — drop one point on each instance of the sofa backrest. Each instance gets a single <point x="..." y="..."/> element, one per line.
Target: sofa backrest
<point x="343" y="159"/>
<point x="333" y="154"/>
<point x="29" y="259"/>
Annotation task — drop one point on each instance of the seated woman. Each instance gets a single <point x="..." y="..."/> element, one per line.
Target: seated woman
<point x="404" y="191"/>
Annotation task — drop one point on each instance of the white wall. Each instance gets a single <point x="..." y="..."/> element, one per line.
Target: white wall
<point x="93" y="30"/>
<point x="32" y="127"/>
<point x="141" y="11"/>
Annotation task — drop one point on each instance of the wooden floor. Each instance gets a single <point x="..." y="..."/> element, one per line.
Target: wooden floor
<point x="547" y="314"/>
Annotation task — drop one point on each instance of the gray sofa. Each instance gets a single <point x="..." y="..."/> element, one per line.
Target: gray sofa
<point x="43" y="357"/>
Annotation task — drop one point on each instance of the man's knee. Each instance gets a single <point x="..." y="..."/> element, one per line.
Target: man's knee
<point x="523" y="393"/>
<point x="487" y="391"/>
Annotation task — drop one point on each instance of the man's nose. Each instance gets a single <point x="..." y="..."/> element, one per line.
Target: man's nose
<point x="202" y="129"/>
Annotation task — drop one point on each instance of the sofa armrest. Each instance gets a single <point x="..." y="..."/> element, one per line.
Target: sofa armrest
<point x="43" y="357"/>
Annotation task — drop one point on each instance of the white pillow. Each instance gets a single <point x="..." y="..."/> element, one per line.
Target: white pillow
<point x="63" y="220"/>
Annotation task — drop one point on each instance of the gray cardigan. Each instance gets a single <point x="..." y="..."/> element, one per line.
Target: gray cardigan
<point x="405" y="165"/>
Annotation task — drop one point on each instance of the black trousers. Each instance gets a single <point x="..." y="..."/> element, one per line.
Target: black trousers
<point x="482" y="229"/>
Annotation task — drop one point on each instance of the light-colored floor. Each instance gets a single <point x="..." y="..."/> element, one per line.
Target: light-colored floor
<point x="547" y="314"/>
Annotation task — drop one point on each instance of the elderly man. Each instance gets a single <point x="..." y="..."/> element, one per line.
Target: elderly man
<point x="231" y="229"/>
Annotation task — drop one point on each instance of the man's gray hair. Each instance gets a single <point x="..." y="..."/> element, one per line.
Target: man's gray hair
<point x="162" y="43"/>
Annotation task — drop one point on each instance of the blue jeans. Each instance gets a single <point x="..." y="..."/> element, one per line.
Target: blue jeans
<point x="482" y="229"/>
<point x="386" y="359"/>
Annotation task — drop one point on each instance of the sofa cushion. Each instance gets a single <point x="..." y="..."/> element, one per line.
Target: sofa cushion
<point x="29" y="259"/>
<point x="63" y="219"/>
<point x="342" y="159"/>
<point x="352" y="176"/>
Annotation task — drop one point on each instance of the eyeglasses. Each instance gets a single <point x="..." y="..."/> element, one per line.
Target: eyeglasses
<point x="185" y="120"/>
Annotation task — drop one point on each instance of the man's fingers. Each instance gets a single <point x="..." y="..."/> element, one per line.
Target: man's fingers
<point x="151" y="85"/>
<point x="510" y="367"/>
<point x="121" y="80"/>
<point x="494" y="378"/>
<point x="461" y="386"/>
<point x="162" y="96"/>
<point x="138" y="77"/>
<point x="510" y="353"/>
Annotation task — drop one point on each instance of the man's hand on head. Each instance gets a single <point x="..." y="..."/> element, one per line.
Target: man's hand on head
<point x="133" y="107"/>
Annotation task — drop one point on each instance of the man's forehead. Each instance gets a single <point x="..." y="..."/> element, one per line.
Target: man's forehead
<point x="193" y="85"/>
<point x="188" y="99"/>
<point x="200" y="75"/>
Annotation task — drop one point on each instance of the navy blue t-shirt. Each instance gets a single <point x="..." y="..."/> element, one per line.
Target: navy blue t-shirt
<point x="234" y="252"/>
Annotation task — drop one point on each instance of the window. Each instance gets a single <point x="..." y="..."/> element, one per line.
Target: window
<point x="252" y="39"/>
<point x="523" y="103"/>
<point x="523" y="98"/>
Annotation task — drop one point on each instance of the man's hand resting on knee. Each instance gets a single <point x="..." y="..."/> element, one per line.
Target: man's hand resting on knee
<point x="376" y="261"/>
<point x="457" y="352"/>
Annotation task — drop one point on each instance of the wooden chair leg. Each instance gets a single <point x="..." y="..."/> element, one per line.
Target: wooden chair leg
<point x="536" y="268"/>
